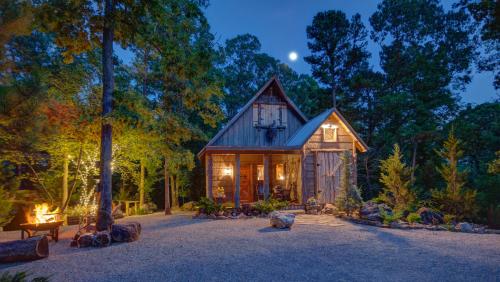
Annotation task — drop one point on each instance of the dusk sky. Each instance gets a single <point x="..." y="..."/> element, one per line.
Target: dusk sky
<point x="281" y="28"/>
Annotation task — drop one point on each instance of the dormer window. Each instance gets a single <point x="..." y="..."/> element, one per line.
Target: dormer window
<point x="329" y="132"/>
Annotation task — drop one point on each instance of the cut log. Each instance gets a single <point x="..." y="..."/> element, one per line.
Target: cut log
<point x="125" y="233"/>
<point x="24" y="250"/>
<point x="85" y="240"/>
<point x="136" y="225"/>
<point x="102" y="239"/>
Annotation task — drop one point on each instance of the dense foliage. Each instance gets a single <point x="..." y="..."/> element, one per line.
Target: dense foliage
<point x="181" y="87"/>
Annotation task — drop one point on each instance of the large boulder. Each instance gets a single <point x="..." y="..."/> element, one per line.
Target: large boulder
<point x="371" y="211"/>
<point x="429" y="216"/>
<point x="281" y="220"/>
<point x="464" y="227"/>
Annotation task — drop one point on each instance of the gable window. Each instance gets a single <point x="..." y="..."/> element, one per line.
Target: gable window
<point x="329" y="133"/>
<point x="270" y="115"/>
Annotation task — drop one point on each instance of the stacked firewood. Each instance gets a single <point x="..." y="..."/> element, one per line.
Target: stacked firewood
<point x="127" y="232"/>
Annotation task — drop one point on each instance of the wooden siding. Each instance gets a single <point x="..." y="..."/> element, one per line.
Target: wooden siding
<point x="315" y="144"/>
<point x="243" y="133"/>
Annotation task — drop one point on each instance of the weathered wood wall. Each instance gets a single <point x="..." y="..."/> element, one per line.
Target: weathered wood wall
<point x="315" y="144"/>
<point x="243" y="132"/>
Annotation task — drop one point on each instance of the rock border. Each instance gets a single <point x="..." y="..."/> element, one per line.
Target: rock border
<point x="476" y="229"/>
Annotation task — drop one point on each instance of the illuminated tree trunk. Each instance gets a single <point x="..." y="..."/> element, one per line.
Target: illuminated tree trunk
<point x="175" y="199"/>
<point x="414" y="161"/>
<point x="65" y="180"/>
<point x="104" y="217"/>
<point x="167" y="187"/>
<point x="141" y="185"/>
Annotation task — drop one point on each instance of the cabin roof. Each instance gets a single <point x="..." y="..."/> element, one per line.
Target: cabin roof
<point x="308" y="129"/>
<point x="281" y="91"/>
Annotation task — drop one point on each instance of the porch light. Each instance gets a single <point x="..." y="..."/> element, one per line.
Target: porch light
<point x="228" y="171"/>
<point x="329" y="125"/>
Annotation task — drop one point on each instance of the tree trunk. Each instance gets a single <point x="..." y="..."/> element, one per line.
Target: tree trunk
<point x="167" y="187"/>
<point x="175" y="199"/>
<point x="24" y="250"/>
<point x="414" y="161"/>
<point x="141" y="185"/>
<point x="104" y="217"/>
<point x="65" y="180"/>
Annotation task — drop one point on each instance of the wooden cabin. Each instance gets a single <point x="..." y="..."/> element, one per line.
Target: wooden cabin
<point x="271" y="149"/>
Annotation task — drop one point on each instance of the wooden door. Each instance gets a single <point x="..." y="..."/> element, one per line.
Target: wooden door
<point x="246" y="193"/>
<point x="328" y="175"/>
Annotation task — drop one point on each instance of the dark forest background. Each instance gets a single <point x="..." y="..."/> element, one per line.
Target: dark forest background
<point x="182" y="88"/>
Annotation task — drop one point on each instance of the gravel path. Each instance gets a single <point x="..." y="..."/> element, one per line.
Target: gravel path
<point x="178" y="248"/>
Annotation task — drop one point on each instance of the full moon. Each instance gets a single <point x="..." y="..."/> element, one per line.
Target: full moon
<point x="293" y="56"/>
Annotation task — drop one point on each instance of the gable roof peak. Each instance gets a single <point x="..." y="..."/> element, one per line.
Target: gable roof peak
<point x="274" y="79"/>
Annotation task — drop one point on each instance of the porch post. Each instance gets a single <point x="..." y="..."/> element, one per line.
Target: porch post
<point x="209" y="173"/>
<point x="266" y="176"/>
<point x="354" y="165"/>
<point x="237" y="182"/>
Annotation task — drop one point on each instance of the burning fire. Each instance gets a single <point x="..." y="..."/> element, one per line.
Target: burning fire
<point x="43" y="214"/>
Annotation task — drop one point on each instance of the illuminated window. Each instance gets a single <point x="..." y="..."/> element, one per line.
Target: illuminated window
<point x="280" y="172"/>
<point x="260" y="172"/>
<point x="329" y="133"/>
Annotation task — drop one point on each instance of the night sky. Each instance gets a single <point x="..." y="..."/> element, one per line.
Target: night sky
<point x="281" y="28"/>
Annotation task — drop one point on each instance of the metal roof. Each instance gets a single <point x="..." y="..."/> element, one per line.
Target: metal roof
<point x="304" y="133"/>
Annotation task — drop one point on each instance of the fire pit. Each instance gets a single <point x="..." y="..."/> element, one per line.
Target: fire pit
<point x="44" y="220"/>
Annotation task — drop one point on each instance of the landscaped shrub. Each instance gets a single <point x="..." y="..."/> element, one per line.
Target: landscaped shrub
<point x="455" y="199"/>
<point x="448" y="219"/>
<point x="21" y="276"/>
<point x="264" y="207"/>
<point x="205" y="205"/>
<point x="270" y="205"/>
<point x="396" y="178"/>
<point x="388" y="217"/>
<point x="349" y="197"/>
<point x="278" y="204"/>
<point x="413" y="218"/>
<point x="312" y="201"/>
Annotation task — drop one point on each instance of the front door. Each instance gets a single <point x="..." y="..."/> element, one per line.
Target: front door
<point x="246" y="193"/>
<point x="328" y="175"/>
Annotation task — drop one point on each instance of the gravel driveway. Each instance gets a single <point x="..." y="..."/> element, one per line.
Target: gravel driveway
<point x="322" y="248"/>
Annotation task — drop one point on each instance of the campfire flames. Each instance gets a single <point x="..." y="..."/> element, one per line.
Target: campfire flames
<point x="43" y="214"/>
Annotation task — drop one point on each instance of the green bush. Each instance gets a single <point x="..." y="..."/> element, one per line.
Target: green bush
<point x="387" y="217"/>
<point x="208" y="206"/>
<point x="413" y="218"/>
<point x="448" y="219"/>
<point x="455" y="199"/>
<point x="349" y="197"/>
<point x="264" y="207"/>
<point x="21" y="276"/>
<point x="396" y="179"/>
<point x="270" y="205"/>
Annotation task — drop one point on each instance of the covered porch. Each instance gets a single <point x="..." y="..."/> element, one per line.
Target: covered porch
<point x="247" y="177"/>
